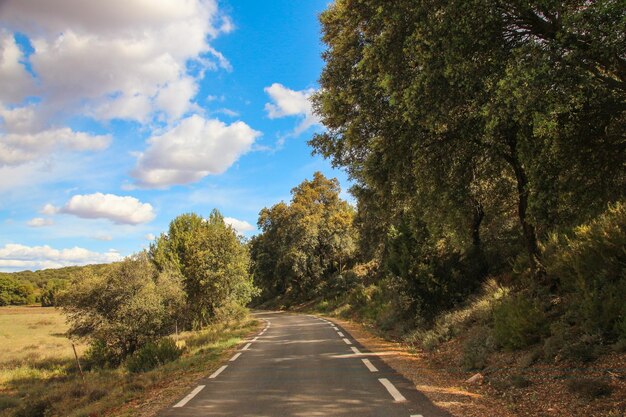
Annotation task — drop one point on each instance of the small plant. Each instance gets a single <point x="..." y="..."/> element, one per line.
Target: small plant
<point x="477" y="348"/>
<point x="153" y="355"/>
<point x="589" y="388"/>
<point x="518" y="322"/>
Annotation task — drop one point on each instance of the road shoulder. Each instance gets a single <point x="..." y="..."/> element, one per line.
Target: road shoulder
<point x="443" y="389"/>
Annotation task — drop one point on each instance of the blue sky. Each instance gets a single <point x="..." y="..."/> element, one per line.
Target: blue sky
<point x="117" y="116"/>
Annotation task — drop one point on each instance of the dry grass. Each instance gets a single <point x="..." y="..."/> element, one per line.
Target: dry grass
<point x="38" y="374"/>
<point x="28" y="333"/>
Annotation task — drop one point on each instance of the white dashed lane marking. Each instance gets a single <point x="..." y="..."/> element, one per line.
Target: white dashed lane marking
<point x="392" y="390"/>
<point x="234" y="358"/>
<point x="192" y="394"/>
<point x="347" y="341"/>
<point x="246" y="346"/>
<point x="355" y="350"/>
<point x="219" y="371"/>
<point x="340" y="334"/>
<point x="369" y="365"/>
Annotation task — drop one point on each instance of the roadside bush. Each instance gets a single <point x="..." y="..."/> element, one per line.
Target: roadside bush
<point x="518" y="322"/>
<point x="569" y="341"/>
<point x="99" y="355"/>
<point x="122" y="310"/>
<point x="590" y="268"/>
<point x="153" y="355"/>
<point x="477" y="348"/>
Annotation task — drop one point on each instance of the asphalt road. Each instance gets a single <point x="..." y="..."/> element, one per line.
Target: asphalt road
<point x="301" y="365"/>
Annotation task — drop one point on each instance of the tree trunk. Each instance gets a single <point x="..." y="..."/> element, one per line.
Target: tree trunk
<point x="528" y="229"/>
<point x="479" y="215"/>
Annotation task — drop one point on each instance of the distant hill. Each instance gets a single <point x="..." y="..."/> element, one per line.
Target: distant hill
<point x="40" y="278"/>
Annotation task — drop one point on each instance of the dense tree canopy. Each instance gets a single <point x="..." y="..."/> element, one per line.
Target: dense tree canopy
<point x="213" y="262"/>
<point x="304" y="246"/>
<point x="489" y="121"/>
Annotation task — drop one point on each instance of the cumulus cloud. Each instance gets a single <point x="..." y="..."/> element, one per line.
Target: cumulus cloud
<point x="15" y="257"/>
<point x="19" y="148"/>
<point x="287" y="102"/>
<point x="39" y="222"/>
<point x="49" y="210"/>
<point x="127" y="48"/>
<point x="118" y="209"/>
<point x="117" y="59"/>
<point x="15" y="82"/>
<point x="191" y="150"/>
<point x="239" y="225"/>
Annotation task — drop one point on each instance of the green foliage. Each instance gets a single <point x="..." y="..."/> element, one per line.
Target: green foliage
<point x="123" y="309"/>
<point x="213" y="262"/>
<point x="519" y="321"/>
<point x="153" y="354"/>
<point x="590" y="267"/>
<point x="305" y="246"/>
<point x="15" y="292"/>
<point x="50" y="293"/>
<point x="476" y="349"/>
<point x="472" y="130"/>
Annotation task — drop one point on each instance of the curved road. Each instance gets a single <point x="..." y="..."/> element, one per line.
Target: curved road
<point x="300" y="366"/>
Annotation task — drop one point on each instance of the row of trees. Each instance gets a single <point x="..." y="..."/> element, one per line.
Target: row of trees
<point x="479" y="126"/>
<point x="15" y="292"/>
<point x="193" y="275"/>
<point x="478" y="134"/>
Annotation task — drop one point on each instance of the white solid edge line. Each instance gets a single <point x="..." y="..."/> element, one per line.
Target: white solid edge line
<point x="369" y="365"/>
<point x="192" y="394"/>
<point x="392" y="390"/>
<point x="234" y="358"/>
<point x="347" y="341"/>
<point x="355" y="350"/>
<point x="219" y="371"/>
<point x="340" y="334"/>
<point x="246" y="346"/>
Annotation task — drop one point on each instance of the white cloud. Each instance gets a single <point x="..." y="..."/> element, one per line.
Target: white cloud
<point x="135" y="60"/>
<point x="49" y="210"/>
<point x="191" y="150"/>
<point x="124" y="47"/>
<point x="18" y="257"/>
<point x="150" y="237"/>
<point x="239" y="225"/>
<point x="287" y="102"/>
<point x="19" y="148"/>
<point x="39" y="222"/>
<point x="118" y="209"/>
<point x="15" y="82"/>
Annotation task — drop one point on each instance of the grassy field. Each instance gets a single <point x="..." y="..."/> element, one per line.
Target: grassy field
<point x="38" y="375"/>
<point x="29" y="334"/>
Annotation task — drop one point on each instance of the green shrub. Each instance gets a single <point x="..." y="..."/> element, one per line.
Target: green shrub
<point x="590" y="268"/>
<point x="99" y="355"/>
<point x="153" y="355"/>
<point x="518" y="322"/>
<point x="570" y="341"/>
<point x="476" y="349"/>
